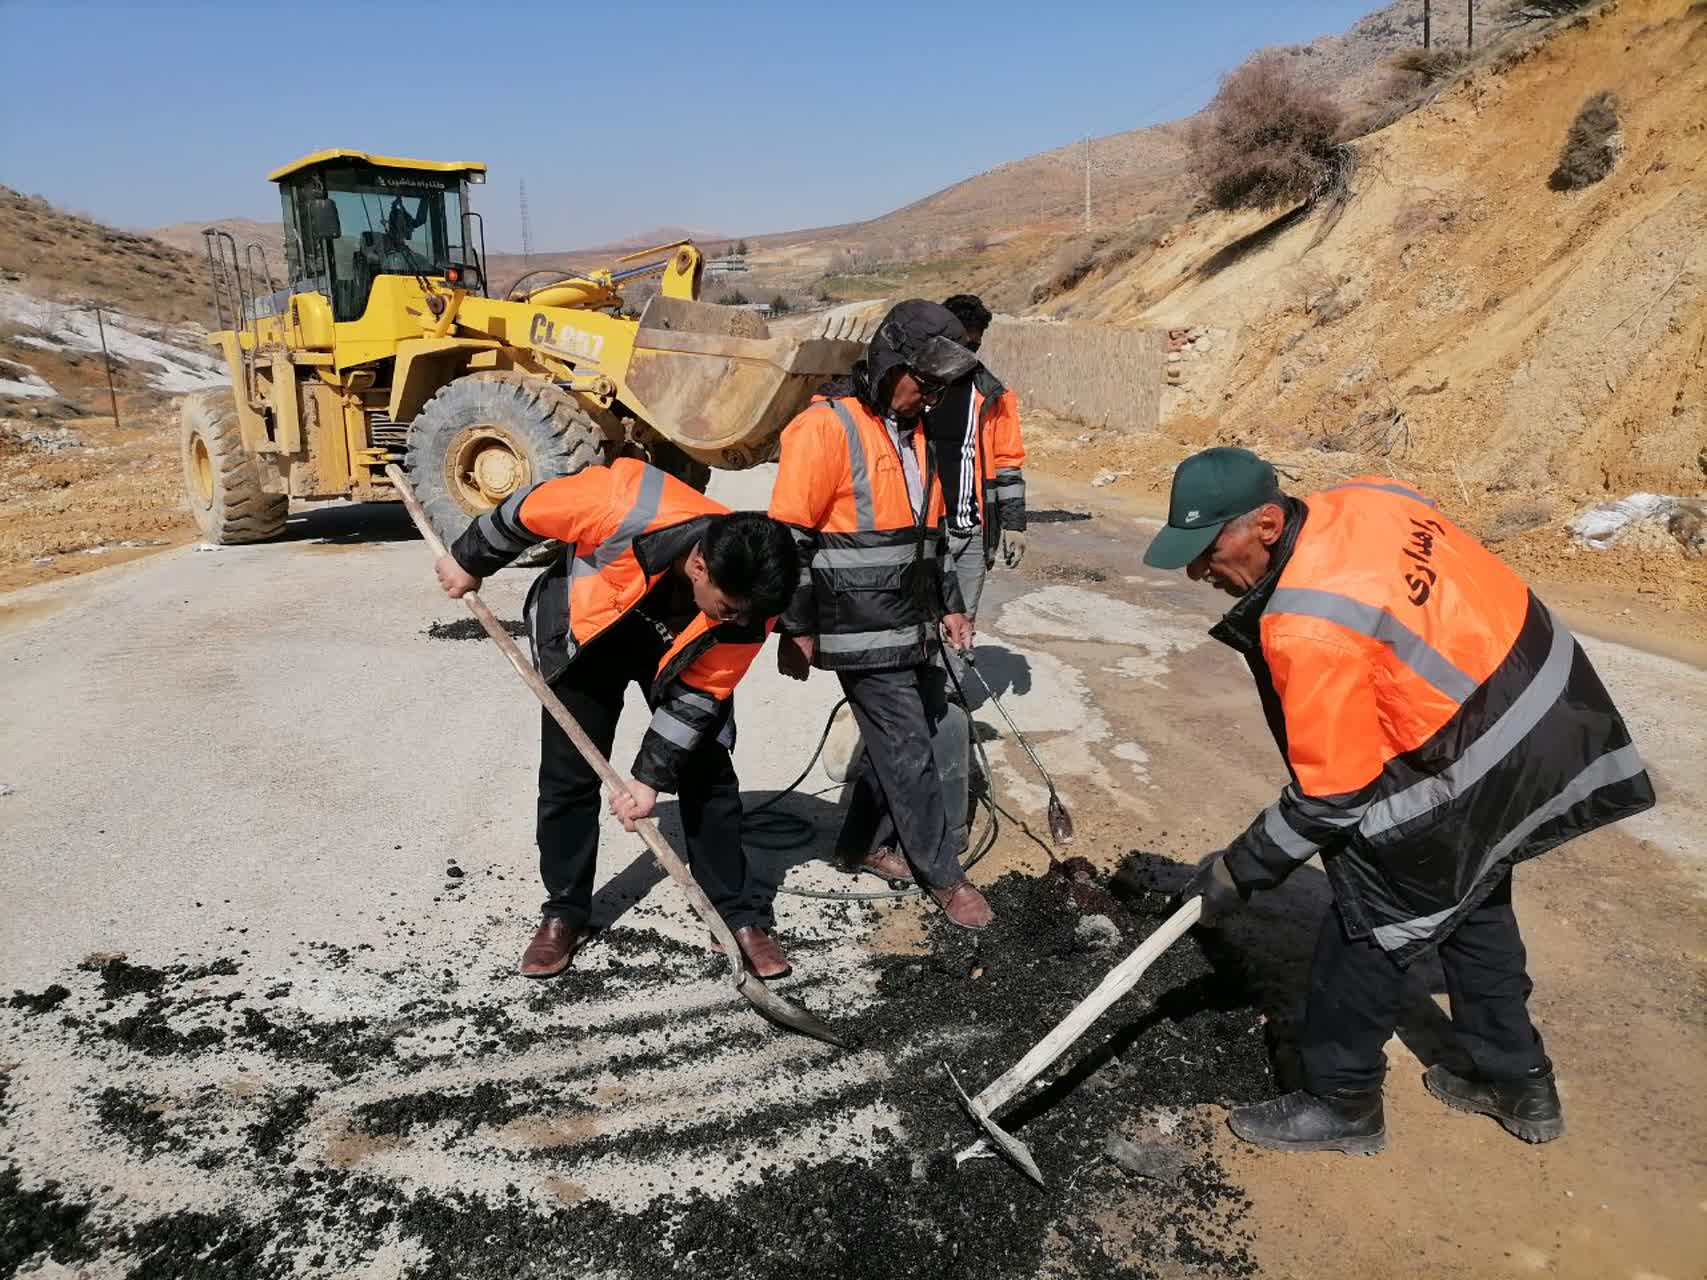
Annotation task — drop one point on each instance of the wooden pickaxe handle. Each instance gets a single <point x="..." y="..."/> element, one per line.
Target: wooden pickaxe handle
<point x="1121" y="979"/>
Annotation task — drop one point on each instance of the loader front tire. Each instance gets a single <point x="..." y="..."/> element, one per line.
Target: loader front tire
<point x="221" y="478"/>
<point x="488" y="435"/>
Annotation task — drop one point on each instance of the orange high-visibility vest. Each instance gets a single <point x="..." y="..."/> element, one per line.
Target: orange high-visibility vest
<point x="875" y="574"/>
<point x="624" y="527"/>
<point x="1438" y="721"/>
<point x="1001" y="457"/>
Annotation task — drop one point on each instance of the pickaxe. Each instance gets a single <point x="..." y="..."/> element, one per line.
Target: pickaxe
<point x="1121" y="979"/>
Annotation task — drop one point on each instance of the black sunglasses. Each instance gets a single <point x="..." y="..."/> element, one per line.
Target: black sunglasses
<point x="930" y="388"/>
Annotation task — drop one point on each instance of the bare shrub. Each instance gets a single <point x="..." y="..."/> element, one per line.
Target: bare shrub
<point x="1527" y="12"/>
<point x="1265" y="139"/>
<point x="1376" y="432"/>
<point x="1591" y="145"/>
<point x="1413" y="78"/>
<point x="1428" y="65"/>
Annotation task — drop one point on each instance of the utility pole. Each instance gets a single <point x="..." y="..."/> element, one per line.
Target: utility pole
<point x="112" y="395"/>
<point x="527" y="230"/>
<point x="1470" y="22"/>
<point x="1087" y="184"/>
<point x="1425" y="24"/>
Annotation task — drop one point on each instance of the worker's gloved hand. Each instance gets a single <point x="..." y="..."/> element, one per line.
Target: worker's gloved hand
<point x="1214" y="883"/>
<point x="1013" y="547"/>
<point x="632" y="804"/>
<point x="456" y="580"/>
<point x="957" y="630"/>
<point x="794" y="655"/>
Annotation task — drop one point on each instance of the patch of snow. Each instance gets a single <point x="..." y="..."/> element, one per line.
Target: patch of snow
<point x="23" y="382"/>
<point x="29" y="387"/>
<point x="75" y="328"/>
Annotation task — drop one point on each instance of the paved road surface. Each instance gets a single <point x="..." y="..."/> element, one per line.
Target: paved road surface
<point x="261" y="755"/>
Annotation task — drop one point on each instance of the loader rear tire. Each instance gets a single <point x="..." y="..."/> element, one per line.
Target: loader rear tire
<point x="221" y="477"/>
<point x="488" y="435"/>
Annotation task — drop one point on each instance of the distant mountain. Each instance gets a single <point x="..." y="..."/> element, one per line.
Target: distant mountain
<point x="188" y="237"/>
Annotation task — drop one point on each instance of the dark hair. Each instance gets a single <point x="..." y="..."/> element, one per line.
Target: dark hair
<point x="970" y="310"/>
<point x="751" y="558"/>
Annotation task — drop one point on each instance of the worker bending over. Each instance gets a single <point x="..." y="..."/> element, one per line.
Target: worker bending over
<point x="1440" y="725"/>
<point x="858" y="488"/>
<point x="662" y="586"/>
<point x="974" y="431"/>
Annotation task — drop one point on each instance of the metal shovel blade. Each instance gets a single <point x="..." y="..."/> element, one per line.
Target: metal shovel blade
<point x="1004" y="1141"/>
<point x="1060" y="821"/>
<point x="785" y="1013"/>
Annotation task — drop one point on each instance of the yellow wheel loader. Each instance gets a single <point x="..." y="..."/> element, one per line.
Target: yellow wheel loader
<point x="382" y="344"/>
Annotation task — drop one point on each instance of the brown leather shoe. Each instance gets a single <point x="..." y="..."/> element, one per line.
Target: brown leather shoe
<point x="554" y="945"/>
<point x="964" y="905"/>
<point x="759" y="951"/>
<point x="885" y="863"/>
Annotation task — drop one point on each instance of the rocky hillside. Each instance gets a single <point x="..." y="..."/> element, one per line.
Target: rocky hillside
<point x="1525" y="352"/>
<point x="66" y="258"/>
<point x="188" y="237"/>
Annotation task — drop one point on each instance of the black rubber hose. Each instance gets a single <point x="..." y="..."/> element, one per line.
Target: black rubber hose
<point x="798" y="827"/>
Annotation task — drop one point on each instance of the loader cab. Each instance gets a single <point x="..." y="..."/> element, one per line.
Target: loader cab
<point x="351" y="218"/>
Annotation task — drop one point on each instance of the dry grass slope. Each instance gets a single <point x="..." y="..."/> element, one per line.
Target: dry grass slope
<point x="1519" y="351"/>
<point x="68" y="258"/>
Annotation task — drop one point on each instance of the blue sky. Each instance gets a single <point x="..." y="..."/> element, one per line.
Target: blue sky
<point x="734" y="118"/>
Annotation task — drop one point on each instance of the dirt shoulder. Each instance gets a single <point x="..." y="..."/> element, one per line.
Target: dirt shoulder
<point x="1653" y="596"/>
<point x="1621" y="987"/>
<point x="94" y="496"/>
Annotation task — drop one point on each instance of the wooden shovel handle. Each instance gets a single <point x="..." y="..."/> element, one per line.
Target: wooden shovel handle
<point x="647" y="829"/>
<point x="1121" y="979"/>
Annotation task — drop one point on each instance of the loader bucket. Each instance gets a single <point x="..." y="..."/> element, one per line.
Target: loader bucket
<point x="715" y="382"/>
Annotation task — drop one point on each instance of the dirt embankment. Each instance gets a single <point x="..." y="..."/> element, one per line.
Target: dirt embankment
<point x="1519" y="352"/>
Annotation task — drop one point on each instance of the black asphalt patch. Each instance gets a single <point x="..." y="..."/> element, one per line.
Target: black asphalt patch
<point x="282" y="1202"/>
<point x="470" y="629"/>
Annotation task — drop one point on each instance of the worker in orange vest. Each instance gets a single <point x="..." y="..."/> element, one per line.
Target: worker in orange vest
<point x="858" y="488"/>
<point x="975" y="432"/>
<point x="1440" y="725"/>
<point x="660" y="585"/>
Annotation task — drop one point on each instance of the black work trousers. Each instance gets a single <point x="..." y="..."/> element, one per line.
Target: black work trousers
<point x="1356" y="993"/>
<point x="569" y="802"/>
<point x="894" y="788"/>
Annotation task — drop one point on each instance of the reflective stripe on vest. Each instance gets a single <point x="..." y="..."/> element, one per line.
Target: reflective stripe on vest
<point x="1494" y="745"/>
<point x="1380" y="626"/>
<point x="1399" y="489"/>
<point x="641" y="513"/>
<point x="864" y="508"/>
<point x="1613" y="767"/>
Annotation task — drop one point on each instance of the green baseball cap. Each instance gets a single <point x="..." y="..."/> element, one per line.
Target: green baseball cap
<point x="1210" y="488"/>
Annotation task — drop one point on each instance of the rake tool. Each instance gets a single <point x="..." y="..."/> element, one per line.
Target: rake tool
<point x="1121" y="979"/>
<point x="1060" y="821"/>
<point x="784" y="1013"/>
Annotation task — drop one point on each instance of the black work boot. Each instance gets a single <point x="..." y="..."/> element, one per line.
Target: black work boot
<point x="1527" y="1106"/>
<point x="1302" y="1121"/>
